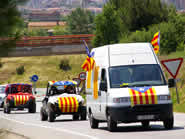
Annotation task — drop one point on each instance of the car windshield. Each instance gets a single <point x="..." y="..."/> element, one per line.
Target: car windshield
<point x="20" y="88"/>
<point x="136" y="75"/>
<point x="2" y="89"/>
<point x="57" y="90"/>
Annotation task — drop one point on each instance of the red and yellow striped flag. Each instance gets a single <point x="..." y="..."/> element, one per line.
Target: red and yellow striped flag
<point x="147" y="96"/>
<point x="20" y="99"/>
<point x="88" y="64"/>
<point x="156" y="42"/>
<point x="68" y="104"/>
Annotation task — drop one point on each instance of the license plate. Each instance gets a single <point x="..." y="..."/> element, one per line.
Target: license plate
<point x="145" y="117"/>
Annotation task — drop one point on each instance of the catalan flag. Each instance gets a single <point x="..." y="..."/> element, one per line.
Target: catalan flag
<point x="68" y="104"/>
<point x="20" y="99"/>
<point x="156" y="42"/>
<point x="143" y="95"/>
<point x="89" y="62"/>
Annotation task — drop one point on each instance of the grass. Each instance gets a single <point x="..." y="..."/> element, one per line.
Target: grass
<point x="47" y="68"/>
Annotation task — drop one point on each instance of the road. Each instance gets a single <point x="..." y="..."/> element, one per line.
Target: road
<point x="30" y="125"/>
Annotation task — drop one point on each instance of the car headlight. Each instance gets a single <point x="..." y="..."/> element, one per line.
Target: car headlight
<point x="164" y="97"/>
<point x="121" y="100"/>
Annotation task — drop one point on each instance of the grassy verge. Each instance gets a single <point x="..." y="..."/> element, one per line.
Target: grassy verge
<point x="47" y="68"/>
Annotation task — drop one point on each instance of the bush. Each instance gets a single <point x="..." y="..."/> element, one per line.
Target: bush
<point x="1" y="64"/>
<point x="20" y="70"/>
<point x="64" y="65"/>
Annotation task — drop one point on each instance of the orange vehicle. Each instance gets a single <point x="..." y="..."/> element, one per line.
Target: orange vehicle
<point x="19" y="96"/>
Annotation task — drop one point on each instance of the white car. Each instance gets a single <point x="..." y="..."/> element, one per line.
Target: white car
<point x="2" y="95"/>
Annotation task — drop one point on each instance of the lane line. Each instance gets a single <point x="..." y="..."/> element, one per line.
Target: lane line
<point x="47" y="127"/>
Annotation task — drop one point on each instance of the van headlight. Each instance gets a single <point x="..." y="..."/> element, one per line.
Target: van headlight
<point x="164" y="97"/>
<point x="121" y="100"/>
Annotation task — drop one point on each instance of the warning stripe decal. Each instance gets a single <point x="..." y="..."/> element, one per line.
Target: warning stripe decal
<point x="68" y="104"/>
<point x="20" y="99"/>
<point x="147" y="97"/>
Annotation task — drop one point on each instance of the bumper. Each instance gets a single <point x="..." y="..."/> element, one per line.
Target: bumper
<point x="157" y="112"/>
<point x="26" y="105"/>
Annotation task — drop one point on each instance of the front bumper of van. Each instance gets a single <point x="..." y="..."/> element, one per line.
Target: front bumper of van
<point x="157" y="112"/>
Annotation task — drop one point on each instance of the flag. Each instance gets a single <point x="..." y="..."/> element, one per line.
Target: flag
<point x="89" y="62"/>
<point x="156" y="42"/>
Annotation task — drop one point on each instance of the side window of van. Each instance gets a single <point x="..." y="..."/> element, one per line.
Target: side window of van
<point x="103" y="76"/>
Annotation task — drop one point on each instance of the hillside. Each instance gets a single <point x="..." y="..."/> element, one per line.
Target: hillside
<point x="47" y="68"/>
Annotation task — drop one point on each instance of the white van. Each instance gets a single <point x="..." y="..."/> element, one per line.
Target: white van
<point x="127" y="85"/>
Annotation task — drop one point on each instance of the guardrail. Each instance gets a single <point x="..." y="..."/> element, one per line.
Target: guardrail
<point x="53" y="40"/>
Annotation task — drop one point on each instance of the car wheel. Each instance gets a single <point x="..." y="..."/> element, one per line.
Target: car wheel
<point x="168" y="123"/>
<point x="75" y="117"/>
<point x="43" y="115"/>
<point x="93" y="122"/>
<point x="51" y="116"/>
<point x="32" y="108"/>
<point x="111" y="124"/>
<point x="83" y="114"/>
<point x="7" y="109"/>
<point x="145" y="124"/>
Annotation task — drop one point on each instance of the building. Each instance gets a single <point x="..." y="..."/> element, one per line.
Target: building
<point x="45" y="25"/>
<point x="45" y="16"/>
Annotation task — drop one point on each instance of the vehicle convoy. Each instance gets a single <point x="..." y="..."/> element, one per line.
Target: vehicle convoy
<point x="19" y="96"/>
<point x="127" y="85"/>
<point x="2" y="95"/>
<point x="62" y="98"/>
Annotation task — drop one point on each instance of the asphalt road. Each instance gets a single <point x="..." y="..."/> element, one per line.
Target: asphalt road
<point x="30" y="125"/>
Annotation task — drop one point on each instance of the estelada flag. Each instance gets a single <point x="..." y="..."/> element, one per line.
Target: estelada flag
<point x="89" y="62"/>
<point x="156" y="42"/>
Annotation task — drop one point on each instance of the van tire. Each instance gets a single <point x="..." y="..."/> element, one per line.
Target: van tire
<point x="111" y="124"/>
<point x="168" y="123"/>
<point x="93" y="122"/>
<point x="43" y="115"/>
<point x="145" y="124"/>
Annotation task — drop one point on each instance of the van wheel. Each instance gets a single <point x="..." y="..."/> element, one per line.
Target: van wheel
<point x="43" y="115"/>
<point x="93" y="122"/>
<point x="51" y="116"/>
<point x="75" y="117"/>
<point x="111" y="124"/>
<point x="83" y="115"/>
<point x="168" y="123"/>
<point x="145" y="124"/>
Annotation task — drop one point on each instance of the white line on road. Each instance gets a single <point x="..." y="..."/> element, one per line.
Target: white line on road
<point x="47" y="127"/>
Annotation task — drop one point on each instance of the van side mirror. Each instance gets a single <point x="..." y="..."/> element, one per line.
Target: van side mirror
<point x="171" y="83"/>
<point x="103" y="86"/>
<point x="35" y="92"/>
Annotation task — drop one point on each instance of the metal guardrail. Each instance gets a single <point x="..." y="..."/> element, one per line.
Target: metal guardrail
<point x="53" y="40"/>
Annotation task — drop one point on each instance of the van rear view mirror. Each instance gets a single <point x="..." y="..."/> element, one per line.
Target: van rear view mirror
<point x="171" y="83"/>
<point x="103" y="86"/>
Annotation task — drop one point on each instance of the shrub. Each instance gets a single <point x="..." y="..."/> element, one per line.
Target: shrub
<point x="64" y="65"/>
<point x="1" y="64"/>
<point x="20" y="70"/>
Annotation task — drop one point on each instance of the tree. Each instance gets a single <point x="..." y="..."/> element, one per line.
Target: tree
<point x="107" y="27"/>
<point x="80" y="21"/>
<point x="10" y="17"/>
<point x="132" y="15"/>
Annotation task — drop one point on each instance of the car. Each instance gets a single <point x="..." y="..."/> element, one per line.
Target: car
<point x="61" y="98"/>
<point x="19" y="96"/>
<point x="2" y="95"/>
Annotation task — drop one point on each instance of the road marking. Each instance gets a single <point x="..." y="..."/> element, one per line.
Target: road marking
<point x="47" y="127"/>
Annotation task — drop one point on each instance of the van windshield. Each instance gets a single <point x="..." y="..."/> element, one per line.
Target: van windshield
<point x="136" y="75"/>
